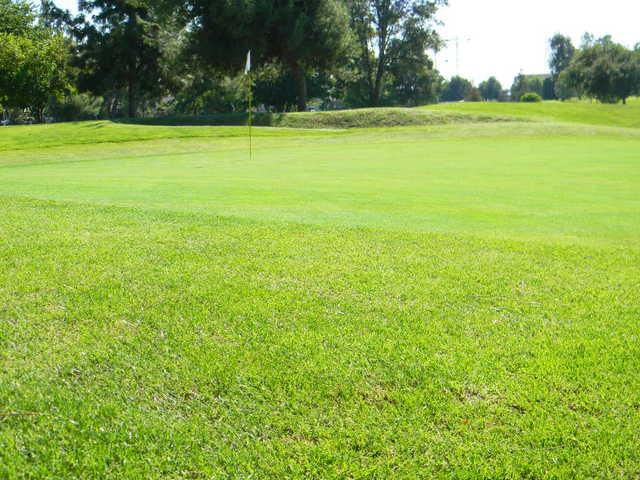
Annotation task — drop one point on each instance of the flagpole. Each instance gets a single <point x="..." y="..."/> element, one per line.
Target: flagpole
<point x="247" y="72"/>
<point x="250" y="117"/>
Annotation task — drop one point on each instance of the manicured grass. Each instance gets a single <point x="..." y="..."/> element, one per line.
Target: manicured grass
<point x="454" y="301"/>
<point x="30" y="137"/>
<point x="584" y="112"/>
<point x="501" y="180"/>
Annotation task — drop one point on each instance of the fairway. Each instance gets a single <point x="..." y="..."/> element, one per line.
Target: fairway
<point x="436" y="301"/>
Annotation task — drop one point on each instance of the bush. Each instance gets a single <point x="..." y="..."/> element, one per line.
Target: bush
<point x="531" y="97"/>
<point x="17" y="116"/>
<point x="75" y="107"/>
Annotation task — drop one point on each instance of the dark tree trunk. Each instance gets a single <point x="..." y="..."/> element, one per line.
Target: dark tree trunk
<point x="377" y="87"/>
<point x="132" y="98"/>
<point x="40" y="114"/>
<point x="624" y="100"/>
<point x="367" y="67"/>
<point x="380" y="67"/>
<point x="113" y="106"/>
<point x="300" y="80"/>
<point x="132" y="71"/>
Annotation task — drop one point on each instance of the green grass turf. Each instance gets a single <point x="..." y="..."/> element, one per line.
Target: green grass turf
<point x="584" y="112"/>
<point x="457" y="301"/>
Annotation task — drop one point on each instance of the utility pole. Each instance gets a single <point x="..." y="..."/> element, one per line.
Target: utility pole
<point x="457" y="40"/>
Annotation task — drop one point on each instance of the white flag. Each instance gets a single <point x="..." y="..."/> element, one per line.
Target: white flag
<point x="247" y="67"/>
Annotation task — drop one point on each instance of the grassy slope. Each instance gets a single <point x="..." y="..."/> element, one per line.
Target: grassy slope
<point x="571" y="112"/>
<point x="16" y="139"/>
<point x="361" y="118"/>
<point x="171" y="310"/>
<point x="227" y="126"/>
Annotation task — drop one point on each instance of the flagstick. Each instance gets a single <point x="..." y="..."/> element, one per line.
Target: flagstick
<point x="250" y="117"/>
<point x="247" y="73"/>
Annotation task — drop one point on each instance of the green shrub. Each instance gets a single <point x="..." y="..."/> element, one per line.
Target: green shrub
<point x="531" y="97"/>
<point x="75" y="107"/>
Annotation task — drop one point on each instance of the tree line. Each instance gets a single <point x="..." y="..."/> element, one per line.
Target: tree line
<point x="138" y="57"/>
<point x="600" y="69"/>
<point x="126" y="58"/>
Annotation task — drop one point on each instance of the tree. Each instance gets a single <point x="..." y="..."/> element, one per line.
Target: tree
<point x="456" y="89"/>
<point x="566" y="85"/>
<point x="490" y="89"/>
<point x="205" y="91"/>
<point x="548" y="89"/>
<point x="414" y="83"/>
<point x="519" y="87"/>
<point x="588" y="40"/>
<point x="118" y="47"/>
<point x="474" y="95"/>
<point x="379" y="25"/>
<point x="16" y="17"/>
<point x="534" y="84"/>
<point x="76" y="107"/>
<point x="505" y="95"/>
<point x="302" y="36"/>
<point x="413" y="79"/>
<point x="274" y="87"/>
<point x="32" y="69"/>
<point x="527" y="83"/>
<point x="33" y="60"/>
<point x="606" y="71"/>
<point x="562" y="52"/>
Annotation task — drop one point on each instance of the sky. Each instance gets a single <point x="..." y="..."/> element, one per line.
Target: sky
<point x="505" y="37"/>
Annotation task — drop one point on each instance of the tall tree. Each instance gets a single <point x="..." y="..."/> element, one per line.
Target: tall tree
<point x="302" y="36"/>
<point x="379" y="24"/>
<point x="490" y="89"/>
<point x="562" y="52"/>
<point x="118" y="47"/>
<point x="413" y="78"/>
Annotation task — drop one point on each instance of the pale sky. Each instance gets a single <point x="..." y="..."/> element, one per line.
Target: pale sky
<point x="504" y="37"/>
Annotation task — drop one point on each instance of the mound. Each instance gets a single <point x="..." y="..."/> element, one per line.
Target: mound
<point x="341" y="119"/>
<point x="580" y="112"/>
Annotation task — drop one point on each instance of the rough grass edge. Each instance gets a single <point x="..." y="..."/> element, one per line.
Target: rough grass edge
<point x="341" y="119"/>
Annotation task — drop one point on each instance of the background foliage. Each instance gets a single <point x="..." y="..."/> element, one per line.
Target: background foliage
<point x="128" y="58"/>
